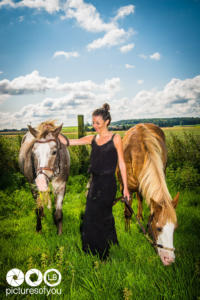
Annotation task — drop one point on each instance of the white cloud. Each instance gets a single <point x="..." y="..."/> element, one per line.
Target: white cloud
<point x="4" y="98"/>
<point x="140" y="81"/>
<point x="128" y="66"/>
<point x="27" y="84"/>
<point x="67" y="55"/>
<point x="143" y="56"/>
<point x="127" y="48"/>
<point x="124" y="11"/>
<point x="111" y="38"/>
<point x="7" y="2"/>
<point x="87" y="17"/>
<point x="178" y="98"/>
<point x="81" y="96"/>
<point x="49" y="5"/>
<point x="155" y="56"/>
<point x="34" y="83"/>
<point x="1" y="72"/>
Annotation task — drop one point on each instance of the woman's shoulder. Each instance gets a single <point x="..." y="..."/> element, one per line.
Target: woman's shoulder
<point x="116" y="137"/>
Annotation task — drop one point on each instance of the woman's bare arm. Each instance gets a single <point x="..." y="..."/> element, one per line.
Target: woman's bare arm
<point x="122" y="165"/>
<point x="86" y="140"/>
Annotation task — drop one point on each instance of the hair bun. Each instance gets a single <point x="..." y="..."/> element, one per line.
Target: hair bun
<point x="106" y="106"/>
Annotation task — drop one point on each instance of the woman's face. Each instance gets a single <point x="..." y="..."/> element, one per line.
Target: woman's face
<point x="98" y="123"/>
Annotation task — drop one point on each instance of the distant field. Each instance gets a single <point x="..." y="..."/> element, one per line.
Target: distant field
<point x="72" y="131"/>
<point x="177" y="130"/>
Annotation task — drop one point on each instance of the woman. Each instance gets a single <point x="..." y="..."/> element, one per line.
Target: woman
<point x="98" y="227"/>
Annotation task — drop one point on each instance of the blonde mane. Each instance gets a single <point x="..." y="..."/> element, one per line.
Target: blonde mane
<point x="28" y="141"/>
<point x="152" y="182"/>
<point x="46" y="127"/>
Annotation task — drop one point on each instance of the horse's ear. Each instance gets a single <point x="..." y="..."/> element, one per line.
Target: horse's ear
<point x="155" y="206"/>
<point x="175" y="200"/>
<point x="57" y="130"/>
<point x="33" y="131"/>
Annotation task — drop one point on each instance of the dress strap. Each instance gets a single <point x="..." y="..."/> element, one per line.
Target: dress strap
<point x="113" y="136"/>
<point x="94" y="137"/>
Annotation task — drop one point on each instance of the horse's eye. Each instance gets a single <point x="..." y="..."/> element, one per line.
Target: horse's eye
<point x="159" y="229"/>
<point x="54" y="152"/>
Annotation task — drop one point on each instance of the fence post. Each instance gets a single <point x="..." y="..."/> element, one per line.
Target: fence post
<point x="81" y="128"/>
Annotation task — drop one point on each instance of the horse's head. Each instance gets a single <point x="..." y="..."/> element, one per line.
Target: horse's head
<point x="45" y="154"/>
<point x="162" y="225"/>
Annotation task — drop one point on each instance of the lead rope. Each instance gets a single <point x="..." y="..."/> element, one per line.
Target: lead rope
<point x="131" y="211"/>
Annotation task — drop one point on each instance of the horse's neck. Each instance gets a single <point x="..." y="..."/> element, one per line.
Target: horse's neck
<point x="152" y="180"/>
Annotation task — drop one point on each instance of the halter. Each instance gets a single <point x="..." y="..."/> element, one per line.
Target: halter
<point x="131" y="211"/>
<point x="41" y="169"/>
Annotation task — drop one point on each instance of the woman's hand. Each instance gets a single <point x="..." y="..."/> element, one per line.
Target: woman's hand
<point x="126" y="194"/>
<point x="62" y="139"/>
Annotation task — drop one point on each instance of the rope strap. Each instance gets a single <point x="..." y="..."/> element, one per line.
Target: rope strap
<point x="131" y="211"/>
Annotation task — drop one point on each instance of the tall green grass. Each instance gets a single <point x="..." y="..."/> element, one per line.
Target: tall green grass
<point x="133" y="270"/>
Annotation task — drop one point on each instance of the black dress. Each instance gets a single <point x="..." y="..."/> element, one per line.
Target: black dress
<point x="98" y="227"/>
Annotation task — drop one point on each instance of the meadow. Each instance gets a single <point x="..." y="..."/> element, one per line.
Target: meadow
<point x="133" y="270"/>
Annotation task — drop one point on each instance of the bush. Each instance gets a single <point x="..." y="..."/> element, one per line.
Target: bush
<point x="184" y="150"/>
<point x="186" y="177"/>
<point x="79" y="157"/>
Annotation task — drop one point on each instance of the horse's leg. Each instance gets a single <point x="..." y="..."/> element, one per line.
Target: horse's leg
<point x="139" y="212"/>
<point x="127" y="215"/>
<point x="39" y="214"/>
<point x="59" y="191"/>
<point x="39" y="210"/>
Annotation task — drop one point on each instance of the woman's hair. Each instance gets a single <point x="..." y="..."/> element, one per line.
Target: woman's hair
<point x="103" y="112"/>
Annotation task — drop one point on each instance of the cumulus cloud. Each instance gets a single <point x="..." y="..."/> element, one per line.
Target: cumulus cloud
<point x="89" y="18"/>
<point x="128" y="66"/>
<point x="1" y="72"/>
<point x="143" y="56"/>
<point x="111" y="38"/>
<point x="67" y="55"/>
<point x="124" y="11"/>
<point x="155" y="56"/>
<point x="34" y="82"/>
<point x="49" y="5"/>
<point x="127" y="48"/>
<point x="86" y="16"/>
<point x="27" y="84"/>
<point x="178" y="98"/>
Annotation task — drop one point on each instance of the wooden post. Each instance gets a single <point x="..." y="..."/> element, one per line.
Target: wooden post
<point x="81" y="128"/>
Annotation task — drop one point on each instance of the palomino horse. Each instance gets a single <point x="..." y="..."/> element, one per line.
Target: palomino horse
<point x="145" y="156"/>
<point x="43" y="159"/>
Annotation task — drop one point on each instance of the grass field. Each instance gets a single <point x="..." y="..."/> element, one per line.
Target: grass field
<point x="133" y="270"/>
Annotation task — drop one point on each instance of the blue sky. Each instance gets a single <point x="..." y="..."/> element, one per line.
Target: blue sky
<point x="62" y="58"/>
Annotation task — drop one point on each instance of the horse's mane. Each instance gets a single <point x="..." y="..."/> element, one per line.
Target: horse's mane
<point x="28" y="141"/>
<point x="152" y="176"/>
<point x="45" y="128"/>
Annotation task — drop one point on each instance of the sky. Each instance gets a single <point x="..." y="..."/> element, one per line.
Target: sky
<point x="61" y="58"/>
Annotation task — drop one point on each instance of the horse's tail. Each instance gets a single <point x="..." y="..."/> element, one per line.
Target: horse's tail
<point x="152" y="182"/>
